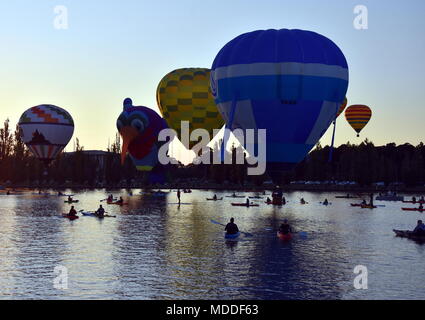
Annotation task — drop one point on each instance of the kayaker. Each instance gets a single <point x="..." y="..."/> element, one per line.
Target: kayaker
<point x="234" y="195"/>
<point x="231" y="227"/>
<point x="371" y="200"/>
<point x="422" y="199"/>
<point x="326" y="202"/>
<point x="178" y="195"/>
<point x="414" y="199"/>
<point x="283" y="200"/>
<point x="215" y="197"/>
<point x="72" y="212"/>
<point x="302" y="201"/>
<point x="247" y="202"/>
<point x="421" y="206"/>
<point x="285" y="228"/>
<point x="100" y="212"/>
<point x="364" y="202"/>
<point x="121" y="200"/>
<point x="60" y="194"/>
<point x="420" y="229"/>
<point x="69" y="199"/>
<point x="269" y="200"/>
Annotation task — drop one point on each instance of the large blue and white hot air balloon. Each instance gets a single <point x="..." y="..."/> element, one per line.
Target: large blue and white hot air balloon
<point x="290" y="82"/>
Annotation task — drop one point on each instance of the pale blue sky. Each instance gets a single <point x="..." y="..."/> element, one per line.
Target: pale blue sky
<point x="114" y="49"/>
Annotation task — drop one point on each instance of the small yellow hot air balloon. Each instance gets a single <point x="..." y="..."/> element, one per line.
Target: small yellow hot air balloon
<point x="185" y="95"/>
<point x="358" y="117"/>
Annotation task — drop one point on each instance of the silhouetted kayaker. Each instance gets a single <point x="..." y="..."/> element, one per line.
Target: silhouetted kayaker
<point x="326" y="202"/>
<point x="121" y="200"/>
<point x="285" y="228"/>
<point x="420" y="229"/>
<point x="371" y="200"/>
<point x="247" y="201"/>
<point x="100" y="212"/>
<point x="215" y="197"/>
<point x="178" y="195"/>
<point x="269" y="200"/>
<point x="231" y="227"/>
<point x="72" y="212"/>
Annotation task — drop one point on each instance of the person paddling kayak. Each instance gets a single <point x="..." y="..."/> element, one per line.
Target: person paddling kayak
<point x="72" y="212"/>
<point x="420" y="229"/>
<point x="100" y="212"/>
<point x="215" y="197"/>
<point x="120" y="201"/>
<point x="285" y="228"/>
<point x="326" y="202"/>
<point x="231" y="227"/>
<point x="70" y="199"/>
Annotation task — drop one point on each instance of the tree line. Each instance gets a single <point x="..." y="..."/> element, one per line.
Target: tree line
<point x="364" y="163"/>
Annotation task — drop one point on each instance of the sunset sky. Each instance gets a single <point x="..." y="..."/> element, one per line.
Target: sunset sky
<point x="117" y="49"/>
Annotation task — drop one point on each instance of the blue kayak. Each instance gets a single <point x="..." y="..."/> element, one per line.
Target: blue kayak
<point x="232" y="236"/>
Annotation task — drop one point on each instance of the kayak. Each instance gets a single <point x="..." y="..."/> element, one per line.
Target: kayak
<point x="70" y="217"/>
<point x="117" y="203"/>
<point x="409" y="234"/>
<point x="218" y="199"/>
<point x="245" y="205"/>
<point x="357" y="204"/>
<point x="92" y="214"/>
<point x="73" y="201"/>
<point x="232" y="236"/>
<point x="367" y="206"/>
<point x="413" y="209"/>
<point x="235" y="197"/>
<point x="258" y="197"/>
<point x="345" y="197"/>
<point x="284" y="237"/>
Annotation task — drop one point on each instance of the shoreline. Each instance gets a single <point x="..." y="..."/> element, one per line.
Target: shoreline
<point x="220" y="187"/>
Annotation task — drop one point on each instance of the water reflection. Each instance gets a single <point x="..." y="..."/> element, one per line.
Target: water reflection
<point x="156" y="249"/>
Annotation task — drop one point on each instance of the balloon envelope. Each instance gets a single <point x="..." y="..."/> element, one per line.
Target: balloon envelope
<point x="290" y="82"/>
<point x="185" y="95"/>
<point x="46" y="130"/>
<point x="139" y="128"/>
<point x="358" y="116"/>
<point x="342" y="107"/>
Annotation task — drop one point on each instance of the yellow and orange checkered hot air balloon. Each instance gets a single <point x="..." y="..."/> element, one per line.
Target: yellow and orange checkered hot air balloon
<point x="358" y="117"/>
<point x="46" y="130"/>
<point x="185" y="95"/>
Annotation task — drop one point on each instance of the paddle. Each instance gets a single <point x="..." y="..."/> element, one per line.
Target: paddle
<point x="247" y="234"/>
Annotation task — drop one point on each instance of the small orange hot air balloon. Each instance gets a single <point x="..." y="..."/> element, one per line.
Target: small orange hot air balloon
<point x="358" y="117"/>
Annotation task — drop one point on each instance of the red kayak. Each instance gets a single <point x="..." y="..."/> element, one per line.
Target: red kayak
<point x="284" y="237"/>
<point x="70" y="217"/>
<point x="117" y="203"/>
<point x="418" y="201"/>
<point x="245" y="205"/>
<point x="413" y="209"/>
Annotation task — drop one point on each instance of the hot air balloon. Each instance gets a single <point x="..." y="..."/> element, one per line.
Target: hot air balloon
<point x="290" y="82"/>
<point x="342" y="108"/>
<point x="185" y="95"/>
<point x="139" y="128"/>
<point x="46" y="130"/>
<point x="358" y="117"/>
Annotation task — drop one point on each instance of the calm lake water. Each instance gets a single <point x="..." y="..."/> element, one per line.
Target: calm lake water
<point x="155" y="249"/>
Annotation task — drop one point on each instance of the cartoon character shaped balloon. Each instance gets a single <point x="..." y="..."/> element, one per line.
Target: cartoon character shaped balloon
<point x="290" y="82"/>
<point x="46" y="130"/>
<point x="139" y="128"/>
<point x="185" y="95"/>
<point x="358" y="117"/>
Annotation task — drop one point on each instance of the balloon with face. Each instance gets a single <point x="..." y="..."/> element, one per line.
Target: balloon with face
<point x="139" y="128"/>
